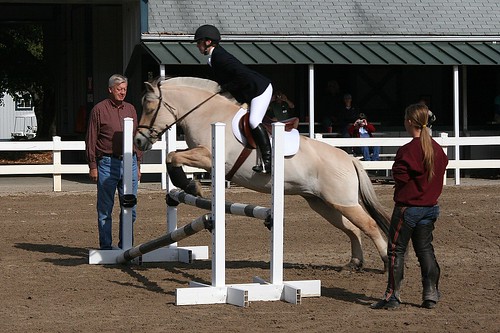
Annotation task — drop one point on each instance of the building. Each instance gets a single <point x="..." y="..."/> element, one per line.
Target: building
<point x="387" y="54"/>
<point x="17" y="119"/>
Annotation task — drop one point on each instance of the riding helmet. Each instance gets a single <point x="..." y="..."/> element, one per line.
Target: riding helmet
<point x="207" y="31"/>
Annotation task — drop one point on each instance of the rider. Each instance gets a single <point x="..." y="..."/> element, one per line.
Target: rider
<point x="246" y="86"/>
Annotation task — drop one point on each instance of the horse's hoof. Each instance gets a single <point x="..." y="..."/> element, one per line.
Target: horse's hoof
<point x="194" y="188"/>
<point x="354" y="265"/>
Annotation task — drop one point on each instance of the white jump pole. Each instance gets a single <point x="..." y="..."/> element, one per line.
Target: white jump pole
<point x="171" y="136"/>
<point x="128" y="154"/>
<point x="218" y="205"/>
<point x="277" y="192"/>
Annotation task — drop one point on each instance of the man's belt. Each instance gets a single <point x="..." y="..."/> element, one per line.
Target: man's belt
<point x="120" y="157"/>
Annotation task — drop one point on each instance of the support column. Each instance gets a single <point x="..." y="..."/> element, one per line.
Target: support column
<point x="311" y="101"/>
<point x="456" y="115"/>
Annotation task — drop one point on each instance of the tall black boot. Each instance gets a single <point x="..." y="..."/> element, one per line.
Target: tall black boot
<point x="399" y="237"/>
<point x="422" y="243"/>
<point x="262" y="140"/>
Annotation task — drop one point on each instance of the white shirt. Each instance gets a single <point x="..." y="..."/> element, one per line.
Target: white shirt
<point x="209" y="61"/>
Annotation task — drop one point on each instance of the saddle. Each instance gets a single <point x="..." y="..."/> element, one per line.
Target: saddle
<point x="244" y="126"/>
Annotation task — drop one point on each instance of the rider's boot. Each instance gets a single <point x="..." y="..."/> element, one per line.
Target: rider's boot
<point x="262" y="140"/>
<point x="422" y="243"/>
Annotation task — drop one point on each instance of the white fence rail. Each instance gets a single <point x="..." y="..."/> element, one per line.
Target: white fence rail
<point x="57" y="169"/>
<point x="444" y="140"/>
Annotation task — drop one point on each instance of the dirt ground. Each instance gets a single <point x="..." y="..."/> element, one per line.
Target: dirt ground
<point x="47" y="284"/>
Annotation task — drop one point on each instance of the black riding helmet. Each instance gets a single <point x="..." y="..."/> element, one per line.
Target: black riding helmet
<point x="207" y="31"/>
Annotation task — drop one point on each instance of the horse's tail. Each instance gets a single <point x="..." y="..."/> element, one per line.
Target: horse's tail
<point x="370" y="200"/>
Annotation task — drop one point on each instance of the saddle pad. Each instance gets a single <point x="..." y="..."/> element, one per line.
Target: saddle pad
<point x="292" y="138"/>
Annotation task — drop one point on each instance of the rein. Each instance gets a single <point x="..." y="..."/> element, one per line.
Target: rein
<point x="169" y="108"/>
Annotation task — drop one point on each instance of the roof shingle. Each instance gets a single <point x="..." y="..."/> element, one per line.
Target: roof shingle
<point x="328" y="17"/>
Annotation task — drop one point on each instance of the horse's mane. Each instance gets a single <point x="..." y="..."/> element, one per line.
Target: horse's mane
<point x="194" y="82"/>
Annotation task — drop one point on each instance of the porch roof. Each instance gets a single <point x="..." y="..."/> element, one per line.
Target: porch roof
<point x="335" y="52"/>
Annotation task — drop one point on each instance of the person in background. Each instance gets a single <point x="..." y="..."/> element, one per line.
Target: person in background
<point x="418" y="171"/>
<point x="496" y="109"/>
<point x="280" y="108"/>
<point x="346" y="116"/>
<point x="104" y="151"/>
<point x="432" y="117"/>
<point x="424" y="100"/>
<point x="364" y="129"/>
<point x="330" y="104"/>
<point x="246" y="86"/>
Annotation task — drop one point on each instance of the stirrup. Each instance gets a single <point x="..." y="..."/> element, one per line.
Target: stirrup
<point x="259" y="168"/>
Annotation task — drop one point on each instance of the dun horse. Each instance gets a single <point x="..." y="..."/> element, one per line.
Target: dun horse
<point x="333" y="183"/>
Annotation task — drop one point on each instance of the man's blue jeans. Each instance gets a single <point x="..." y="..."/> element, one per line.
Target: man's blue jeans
<point x="109" y="180"/>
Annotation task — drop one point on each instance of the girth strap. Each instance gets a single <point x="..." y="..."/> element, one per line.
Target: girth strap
<point x="239" y="161"/>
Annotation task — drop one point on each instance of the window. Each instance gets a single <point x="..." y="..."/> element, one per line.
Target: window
<point x="24" y="102"/>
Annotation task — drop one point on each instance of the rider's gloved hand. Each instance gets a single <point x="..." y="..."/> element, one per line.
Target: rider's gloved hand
<point x="223" y="89"/>
<point x="227" y="87"/>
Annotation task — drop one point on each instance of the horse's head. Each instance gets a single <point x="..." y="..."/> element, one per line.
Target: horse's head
<point x="157" y="117"/>
<point x="169" y="102"/>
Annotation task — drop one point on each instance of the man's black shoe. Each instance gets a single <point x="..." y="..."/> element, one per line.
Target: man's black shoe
<point x="383" y="304"/>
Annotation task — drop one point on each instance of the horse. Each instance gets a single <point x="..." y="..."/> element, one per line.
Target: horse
<point x="333" y="183"/>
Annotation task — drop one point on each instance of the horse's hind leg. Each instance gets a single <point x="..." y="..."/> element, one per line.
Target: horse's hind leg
<point x="360" y="218"/>
<point x="335" y="218"/>
<point x="199" y="157"/>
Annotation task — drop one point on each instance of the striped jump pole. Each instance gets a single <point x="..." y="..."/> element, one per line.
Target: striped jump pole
<point x="203" y="222"/>
<point x="240" y="209"/>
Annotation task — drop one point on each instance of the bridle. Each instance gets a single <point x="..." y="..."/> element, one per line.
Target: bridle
<point x="153" y="132"/>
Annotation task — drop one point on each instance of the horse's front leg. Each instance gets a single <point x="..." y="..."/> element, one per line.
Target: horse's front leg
<point x="199" y="157"/>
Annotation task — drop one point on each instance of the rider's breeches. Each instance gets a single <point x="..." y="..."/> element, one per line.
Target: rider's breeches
<point x="417" y="224"/>
<point x="259" y="105"/>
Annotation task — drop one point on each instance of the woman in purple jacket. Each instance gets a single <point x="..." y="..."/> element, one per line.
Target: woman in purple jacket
<point x="418" y="171"/>
<point x="246" y="86"/>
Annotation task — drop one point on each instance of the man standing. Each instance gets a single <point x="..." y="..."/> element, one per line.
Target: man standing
<point x="346" y="116"/>
<point x="104" y="150"/>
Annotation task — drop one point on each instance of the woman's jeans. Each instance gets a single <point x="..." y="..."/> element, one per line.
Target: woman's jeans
<point x="374" y="156"/>
<point x="110" y="179"/>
